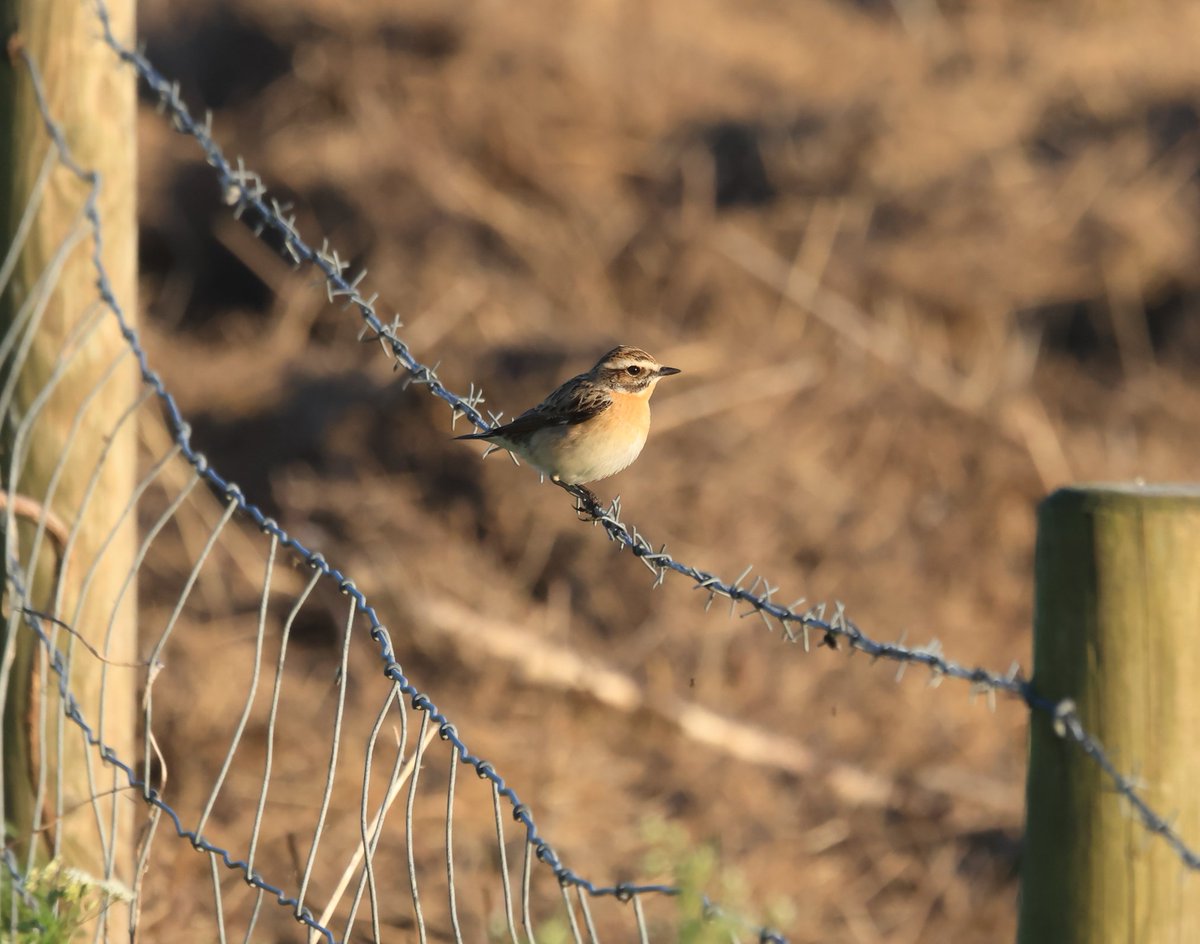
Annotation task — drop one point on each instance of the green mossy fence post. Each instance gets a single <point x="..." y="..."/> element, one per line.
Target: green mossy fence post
<point x="1116" y="631"/>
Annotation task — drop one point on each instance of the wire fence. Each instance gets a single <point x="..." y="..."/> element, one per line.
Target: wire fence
<point x="176" y="473"/>
<point x="318" y="858"/>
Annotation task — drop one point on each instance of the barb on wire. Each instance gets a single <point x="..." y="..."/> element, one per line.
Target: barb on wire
<point x="58" y="664"/>
<point x="245" y="191"/>
<point x="1068" y="726"/>
<point x="181" y="433"/>
<point x="17" y="879"/>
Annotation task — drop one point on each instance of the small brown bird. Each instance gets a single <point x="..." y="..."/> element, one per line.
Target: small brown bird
<point x="591" y="427"/>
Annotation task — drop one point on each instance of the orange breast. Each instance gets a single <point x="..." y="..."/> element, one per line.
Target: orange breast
<point x="598" y="448"/>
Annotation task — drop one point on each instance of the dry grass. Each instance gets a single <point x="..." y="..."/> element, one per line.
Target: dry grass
<point x="918" y="270"/>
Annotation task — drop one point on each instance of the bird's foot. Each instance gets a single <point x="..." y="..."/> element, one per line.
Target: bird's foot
<point x="587" y="505"/>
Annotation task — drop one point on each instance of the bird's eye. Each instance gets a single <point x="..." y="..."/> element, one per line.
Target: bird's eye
<point x="633" y="370"/>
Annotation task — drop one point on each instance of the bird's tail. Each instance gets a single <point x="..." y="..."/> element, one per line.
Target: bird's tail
<point x="474" y="436"/>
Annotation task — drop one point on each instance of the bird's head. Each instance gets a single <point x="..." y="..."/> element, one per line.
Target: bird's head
<point x="630" y="370"/>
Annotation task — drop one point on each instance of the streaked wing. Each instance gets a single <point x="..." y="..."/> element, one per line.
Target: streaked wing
<point x="574" y="402"/>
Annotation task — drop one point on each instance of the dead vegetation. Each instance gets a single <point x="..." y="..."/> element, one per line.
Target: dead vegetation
<point x="920" y="265"/>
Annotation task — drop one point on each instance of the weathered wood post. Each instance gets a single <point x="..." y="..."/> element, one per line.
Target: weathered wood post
<point x="93" y="98"/>
<point x="1116" y="631"/>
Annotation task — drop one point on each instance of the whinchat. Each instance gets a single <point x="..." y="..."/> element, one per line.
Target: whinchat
<point x="591" y="427"/>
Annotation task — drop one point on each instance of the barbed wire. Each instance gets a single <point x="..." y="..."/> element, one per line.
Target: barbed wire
<point x="1067" y="723"/>
<point x="180" y="430"/>
<point x="72" y="711"/>
<point x="16" y="878"/>
<point x="245" y="191"/>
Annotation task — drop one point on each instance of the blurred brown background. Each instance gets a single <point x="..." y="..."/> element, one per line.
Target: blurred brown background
<point x="920" y="262"/>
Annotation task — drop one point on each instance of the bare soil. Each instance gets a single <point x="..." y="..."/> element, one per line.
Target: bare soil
<point x="920" y="264"/>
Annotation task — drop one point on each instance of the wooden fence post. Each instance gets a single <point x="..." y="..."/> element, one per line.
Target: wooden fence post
<point x="1116" y="631"/>
<point x="92" y="96"/>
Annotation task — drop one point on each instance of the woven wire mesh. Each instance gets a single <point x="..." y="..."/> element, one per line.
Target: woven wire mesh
<point x="379" y="830"/>
<point x="362" y="808"/>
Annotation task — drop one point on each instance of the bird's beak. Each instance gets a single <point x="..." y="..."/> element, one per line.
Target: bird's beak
<point x="668" y="371"/>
